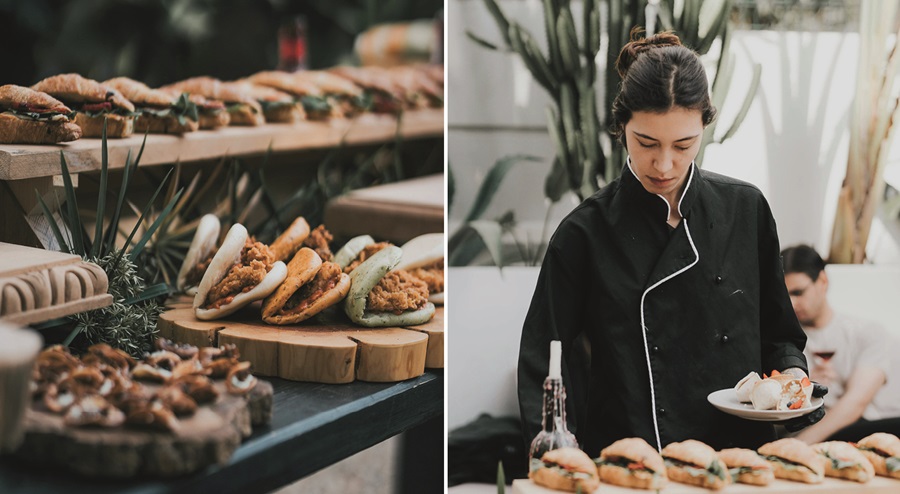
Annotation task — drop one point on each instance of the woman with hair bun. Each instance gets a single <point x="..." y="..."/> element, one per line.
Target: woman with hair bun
<point x="670" y="273"/>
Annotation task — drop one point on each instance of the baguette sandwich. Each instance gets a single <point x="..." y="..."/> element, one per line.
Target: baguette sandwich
<point x="423" y="257"/>
<point x="93" y="103"/>
<point x="746" y="466"/>
<point x="199" y="255"/>
<point x="313" y="100"/>
<point x="792" y="459"/>
<point x="631" y="462"/>
<point x="311" y="286"/>
<point x="565" y="469"/>
<point x="693" y="462"/>
<point x="883" y="451"/>
<point x="844" y="461"/>
<point x="241" y="107"/>
<point x="32" y="117"/>
<point x="381" y="297"/>
<point x="158" y="112"/>
<point x="241" y="272"/>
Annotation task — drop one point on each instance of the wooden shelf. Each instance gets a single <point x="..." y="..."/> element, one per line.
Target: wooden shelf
<point x="21" y="161"/>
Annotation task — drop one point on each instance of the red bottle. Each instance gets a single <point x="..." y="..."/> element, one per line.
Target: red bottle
<point x="292" y="45"/>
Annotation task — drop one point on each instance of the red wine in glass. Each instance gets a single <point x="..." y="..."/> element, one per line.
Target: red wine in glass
<point x="825" y="355"/>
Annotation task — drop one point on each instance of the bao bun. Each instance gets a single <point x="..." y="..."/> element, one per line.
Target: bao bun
<point x="351" y="249"/>
<point x="204" y="242"/>
<point x="422" y="251"/>
<point x="228" y="255"/>
<point x="302" y="270"/>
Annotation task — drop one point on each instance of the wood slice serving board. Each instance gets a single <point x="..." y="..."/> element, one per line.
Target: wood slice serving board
<point x="327" y="352"/>
<point x="208" y="437"/>
<point x="38" y="285"/>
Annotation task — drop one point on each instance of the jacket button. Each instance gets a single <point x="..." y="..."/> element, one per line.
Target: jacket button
<point x="654" y="350"/>
<point x="718" y="280"/>
<point x="662" y="411"/>
<point x="724" y="338"/>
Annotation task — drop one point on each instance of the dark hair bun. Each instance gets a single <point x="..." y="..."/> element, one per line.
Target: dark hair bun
<point x="639" y="45"/>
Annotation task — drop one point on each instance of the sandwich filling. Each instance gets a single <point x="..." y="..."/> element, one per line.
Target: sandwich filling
<point x="27" y="111"/>
<point x="104" y="108"/>
<point x="398" y="292"/>
<point x="788" y="464"/>
<point x="757" y="470"/>
<point x="326" y="279"/>
<point x="369" y="251"/>
<point x="891" y="462"/>
<point x="622" y="462"/>
<point x="316" y="107"/>
<point x="318" y="241"/>
<point x="255" y="263"/>
<point x="712" y="472"/>
<point x="838" y="463"/>
<point x="559" y="469"/>
<point x="432" y="274"/>
<point x="182" y="109"/>
<point x="238" y="107"/>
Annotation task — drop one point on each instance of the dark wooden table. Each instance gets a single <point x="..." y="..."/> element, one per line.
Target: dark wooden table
<point x="313" y="426"/>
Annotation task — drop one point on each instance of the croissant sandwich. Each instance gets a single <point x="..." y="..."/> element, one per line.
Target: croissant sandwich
<point x="278" y="106"/>
<point x="313" y="100"/>
<point x="631" y="462"/>
<point x="380" y="297"/>
<point x="242" y="271"/>
<point x="347" y="98"/>
<point x="93" y="103"/>
<point x="565" y="469"/>
<point x="242" y="108"/>
<point x="384" y="94"/>
<point x="311" y="286"/>
<point x="158" y="112"/>
<point x="693" y="462"/>
<point x="792" y="459"/>
<point x="32" y="117"/>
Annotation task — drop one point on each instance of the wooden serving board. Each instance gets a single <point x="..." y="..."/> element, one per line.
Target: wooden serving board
<point x="207" y="438"/>
<point x="328" y="352"/>
<point x="38" y="285"/>
<point x="878" y="485"/>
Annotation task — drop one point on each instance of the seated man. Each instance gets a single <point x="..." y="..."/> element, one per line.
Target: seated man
<point x="849" y="355"/>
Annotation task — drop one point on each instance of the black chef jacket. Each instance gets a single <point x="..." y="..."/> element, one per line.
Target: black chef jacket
<point x="709" y="295"/>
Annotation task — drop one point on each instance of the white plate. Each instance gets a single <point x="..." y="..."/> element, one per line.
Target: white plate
<point x="727" y="401"/>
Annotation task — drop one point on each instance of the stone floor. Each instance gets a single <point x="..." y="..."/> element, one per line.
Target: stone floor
<point x="372" y="471"/>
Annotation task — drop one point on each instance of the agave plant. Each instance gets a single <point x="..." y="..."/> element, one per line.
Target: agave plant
<point x="586" y="158"/>
<point x="874" y="110"/>
<point x="130" y="322"/>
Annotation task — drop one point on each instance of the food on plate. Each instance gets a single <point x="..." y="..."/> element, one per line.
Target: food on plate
<point x="381" y="297"/>
<point x="883" y="451"/>
<point x="745" y="386"/>
<point x="291" y="239"/>
<point x="32" y="117"/>
<point x="792" y="459"/>
<point x="199" y="254"/>
<point x="242" y="108"/>
<point x="631" y="462"/>
<point x="350" y="251"/>
<point x="158" y="112"/>
<point x="778" y="392"/>
<point x="278" y="106"/>
<point x="241" y="272"/>
<point x="423" y="257"/>
<point x="693" y="462"/>
<point x="746" y="466"/>
<point x="104" y="387"/>
<point x="566" y="469"/>
<point x="845" y="461"/>
<point x="311" y="286"/>
<point x="93" y="103"/>
<point x="310" y="96"/>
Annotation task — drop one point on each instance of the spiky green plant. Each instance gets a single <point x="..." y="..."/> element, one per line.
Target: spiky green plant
<point x="130" y="322"/>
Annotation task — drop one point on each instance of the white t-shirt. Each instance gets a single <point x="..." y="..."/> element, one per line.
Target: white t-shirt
<point x="857" y="342"/>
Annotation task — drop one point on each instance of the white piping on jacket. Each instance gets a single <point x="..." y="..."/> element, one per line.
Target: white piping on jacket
<point x="660" y="282"/>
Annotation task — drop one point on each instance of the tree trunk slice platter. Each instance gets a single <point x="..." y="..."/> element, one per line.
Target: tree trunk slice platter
<point x="332" y="351"/>
<point x="207" y="438"/>
<point x="39" y="285"/>
<point x="434" y="328"/>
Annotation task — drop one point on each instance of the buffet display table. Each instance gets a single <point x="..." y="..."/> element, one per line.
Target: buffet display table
<point x="878" y="485"/>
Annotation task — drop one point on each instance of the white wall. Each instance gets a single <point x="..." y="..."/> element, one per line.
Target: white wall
<point x="792" y="144"/>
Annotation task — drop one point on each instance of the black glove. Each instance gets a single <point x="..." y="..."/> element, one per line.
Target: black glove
<point x="800" y="423"/>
